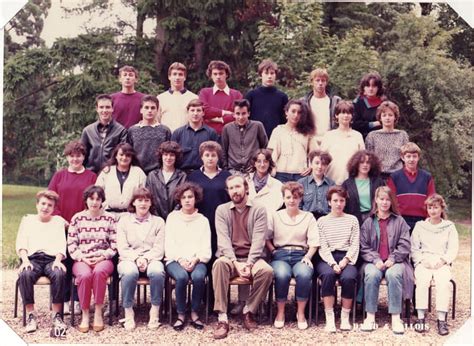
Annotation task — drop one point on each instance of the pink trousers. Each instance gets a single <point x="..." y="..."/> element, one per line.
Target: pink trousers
<point x="92" y="279"/>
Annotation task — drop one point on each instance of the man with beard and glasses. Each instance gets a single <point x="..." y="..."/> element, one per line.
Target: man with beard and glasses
<point x="241" y="227"/>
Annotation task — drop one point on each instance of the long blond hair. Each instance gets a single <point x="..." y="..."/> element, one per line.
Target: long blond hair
<point x="436" y="198"/>
<point x="393" y="200"/>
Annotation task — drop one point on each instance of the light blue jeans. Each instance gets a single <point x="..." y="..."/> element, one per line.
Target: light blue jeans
<point x="394" y="278"/>
<point x="128" y="273"/>
<point x="285" y="264"/>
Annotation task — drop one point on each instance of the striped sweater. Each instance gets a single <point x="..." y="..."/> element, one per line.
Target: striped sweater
<point x="338" y="233"/>
<point x="92" y="237"/>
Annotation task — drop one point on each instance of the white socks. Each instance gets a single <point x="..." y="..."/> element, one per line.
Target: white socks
<point x="441" y="315"/>
<point x="420" y="313"/>
<point x="154" y="311"/>
<point x="222" y="317"/>
<point x="330" y="324"/>
<point x="345" y="324"/>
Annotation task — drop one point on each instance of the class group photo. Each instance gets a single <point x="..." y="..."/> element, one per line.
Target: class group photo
<point x="244" y="172"/>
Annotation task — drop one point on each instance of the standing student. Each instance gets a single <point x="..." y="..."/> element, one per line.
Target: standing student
<point x="41" y="246"/>
<point x="317" y="184"/>
<point x="241" y="138"/>
<point x="267" y="102"/>
<point x="119" y="178"/>
<point x="101" y="137"/>
<point x="191" y="135"/>
<point x="371" y="95"/>
<point x="69" y="183"/>
<point x="364" y="179"/>
<point x="322" y="106"/>
<point x="163" y="181"/>
<point x="290" y="143"/>
<point x="339" y="241"/>
<point x="385" y="252"/>
<point x="434" y="246"/>
<point x="342" y="142"/>
<point x="218" y="99"/>
<point x="173" y="102"/>
<point x="412" y="185"/>
<point x="92" y="244"/>
<point x="146" y="136"/>
<point x="127" y="101"/>
<point x="386" y="142"/>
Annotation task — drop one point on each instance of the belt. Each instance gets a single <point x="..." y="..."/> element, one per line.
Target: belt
<point x="292" y="247"/>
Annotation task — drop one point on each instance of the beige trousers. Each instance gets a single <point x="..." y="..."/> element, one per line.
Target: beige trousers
<point x="223" y="270"/>
<point x="441" y="278"/>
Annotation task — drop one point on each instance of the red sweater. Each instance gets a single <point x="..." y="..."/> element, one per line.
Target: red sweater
<point x="214" y="104"/>
<point x="127" y="108"/>
<point x="70" y="186"/>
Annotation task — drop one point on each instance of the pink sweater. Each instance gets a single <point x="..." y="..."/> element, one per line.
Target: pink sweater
<point x="214" y="104"/>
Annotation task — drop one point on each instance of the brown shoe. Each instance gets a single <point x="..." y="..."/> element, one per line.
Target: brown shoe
<point x="249" y="322"/>
<point x="221" y="330"/>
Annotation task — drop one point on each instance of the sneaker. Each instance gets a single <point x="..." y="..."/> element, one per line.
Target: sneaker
<point x="397" y="327"/>
<point x="368" y="326"/>
<point x="129" y="321"/>
<point x="58" y="321"/>
<point x="443" y="328"/>
<point x="31" y="323"/>
<point x="420" y="325"/>
<point x="345" y="325"/>
<point x="238" y="308"/>
<point x="330" y="328"/>
<point x="154" y="323"/>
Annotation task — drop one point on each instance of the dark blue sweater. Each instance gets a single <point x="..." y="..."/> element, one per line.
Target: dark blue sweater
<point x="266" y="106"/>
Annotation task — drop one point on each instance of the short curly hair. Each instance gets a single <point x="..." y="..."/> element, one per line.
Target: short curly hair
<point x="218" y="65"/>
<point x="294" y="188"/>
<point x="392" y="106"/>
<point x="169" y="147"/>
<point x="74" y="147"/>
<point x="188" y="186"/>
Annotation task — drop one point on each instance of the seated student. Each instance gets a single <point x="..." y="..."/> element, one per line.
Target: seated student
<point x="140" y="244"/>
<point x="339" y="241"/>
<point x="146" y="136"/>
<point x="371" y="95"/>
<point x="101" y="137"/>
<point x="364" y="179"/>
<point x="163" y="181"/>
<point x="241" y="138"/>
<point x="41" y="245"/>
<point x="434" y="246"/>
<point x="127" y="101"/>
<point x="241" y="229"/>
<point x="412" y="185"/>
<point x="290" y="143"/>
<point x="292" y="239"/>
<point x="191" y="135"/>
<point x="267" y="103"/>
<point x="173" y="101"/>
<point x="92" y="245"/>
<point x="342" y="142"/>
<point x="218" y="100"/>
<point x="385" y="251"/>
<point x="119" y="178"/>
<point x="321" y="105"/>
<point x="188" y="249"/>
<point x="316" y="185"/>
<point x="386" y="142"/>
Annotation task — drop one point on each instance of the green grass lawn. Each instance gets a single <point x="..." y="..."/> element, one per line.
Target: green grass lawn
<point x="17" y="201"/>
<point x="20" y="200"/>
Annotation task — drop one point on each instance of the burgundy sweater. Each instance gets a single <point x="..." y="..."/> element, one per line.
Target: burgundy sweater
<point x="127" y="108"/>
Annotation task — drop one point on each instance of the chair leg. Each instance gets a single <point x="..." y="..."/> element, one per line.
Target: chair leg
<point x="17" y="287"/>
<point x="144" y="294"/>
<point x="316" y="317"/>
<point x="71" y="302"/>
<point x="429" y="298"/>
<point x="354" y="303"/>
<point x="310" y="312"/>
<point x="207" y="301"/>
<point x="117" y="287"/>
<point x="111" y="288"/>
<point x="170" y="302"/>
<point x="24" y="314"/>
<point x="454" y="299"/>
<point x="270" y="302"/>
<point x="407" y="311"/>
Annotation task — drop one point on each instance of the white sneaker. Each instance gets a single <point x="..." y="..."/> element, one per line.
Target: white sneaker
<point x="129" y="320"/>
<point x="397" y="327"/>
<point x="345" y="325"/>
<point x="154" y="323"/>
<point x="31" y="323"/>
<point x="330" y="327"/>
<point x="302" y="325"/>
<point x="279" y="324"/>
<point x="238" y="308"/>
<point x="368" y="326"/>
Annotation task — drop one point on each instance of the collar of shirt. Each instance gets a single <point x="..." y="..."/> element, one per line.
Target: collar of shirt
<point x="101" y="127"/>
<point x="139" y="220"/>
<point x="325" y="180"/>
<point x="182" y="91"/>
<point x="195" y="130"/>
<point x="218" y="169"/>
<point x="243" y="127"/>
<point x="248" y="204"/>
<point x="215" y="89"/>
<point x="140" y="124"/>
<point x="410" y="174"/>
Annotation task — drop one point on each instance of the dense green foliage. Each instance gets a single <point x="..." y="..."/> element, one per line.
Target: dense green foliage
<point x="424" y="61"/>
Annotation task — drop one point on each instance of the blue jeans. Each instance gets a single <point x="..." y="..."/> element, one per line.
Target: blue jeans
<point x="181" y="276"/>
<point x="128" y="273"/>
<point x="285" y="264"/>
<point x="372" y="278"/>
<point x="285" y="177"/>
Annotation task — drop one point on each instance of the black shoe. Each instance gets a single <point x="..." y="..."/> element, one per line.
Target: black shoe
<point x="443" y="328"/>
<point x="178" y="325"/>
<point x="420" y="325"/>
<point x="197" y="324"/>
